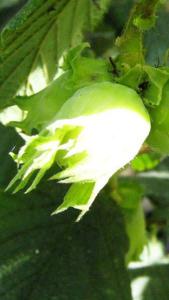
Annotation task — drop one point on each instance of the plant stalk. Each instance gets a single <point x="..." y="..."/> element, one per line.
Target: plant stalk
<point x="130" y="44"/>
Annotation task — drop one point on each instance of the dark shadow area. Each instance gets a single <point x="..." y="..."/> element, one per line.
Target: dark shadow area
<point x="9" y="10"/>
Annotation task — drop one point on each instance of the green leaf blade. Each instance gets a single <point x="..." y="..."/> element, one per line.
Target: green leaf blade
<point x="32" y="43"/>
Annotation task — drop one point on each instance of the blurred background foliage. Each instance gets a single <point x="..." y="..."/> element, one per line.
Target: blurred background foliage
<point x="151" y="173"/>
<point x="9" y="8"/>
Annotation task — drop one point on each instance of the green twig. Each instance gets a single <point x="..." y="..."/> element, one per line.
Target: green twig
<point x="130" y="44"/>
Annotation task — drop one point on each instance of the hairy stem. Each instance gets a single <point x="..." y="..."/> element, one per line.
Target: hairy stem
<point x="130" y="44"/>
